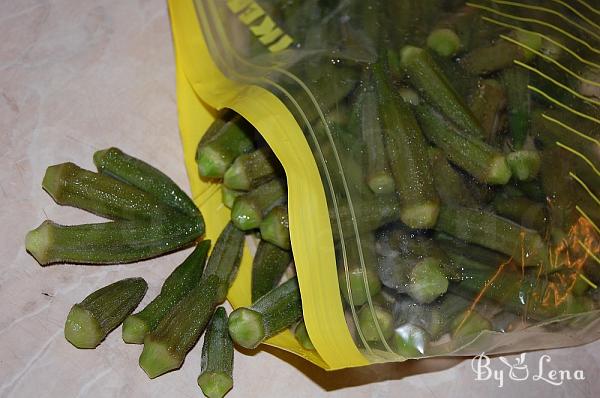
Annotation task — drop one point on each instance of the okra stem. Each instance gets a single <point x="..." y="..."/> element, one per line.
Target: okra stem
<point x="275" y="311"/>
<point x="250" y="170"/>
<point x="249" y="210"/>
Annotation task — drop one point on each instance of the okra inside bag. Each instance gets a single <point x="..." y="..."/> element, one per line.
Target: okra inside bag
<point x="442" y="165"/>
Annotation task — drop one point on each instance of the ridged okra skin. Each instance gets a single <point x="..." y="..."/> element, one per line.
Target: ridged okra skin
<point x="489" y="230"/>
<point x="166" y="347"/>
<point x="181" y="281"/>
<point x="70" y="185"/>
<point x="275" y="311"/>
<point x="268" y="266"/>
<point x="90" y="321"/>
<point x="133" y="171"/>
<point x="216" y="378"/>
<point x="111" y="242"/>
<point x="407" y="155"/>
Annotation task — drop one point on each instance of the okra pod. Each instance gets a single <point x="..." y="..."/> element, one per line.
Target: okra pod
<point x="90" y="321"/>
<point x="268" y="266"/>
<point x="250" y="170"/>
<point x="369" y="321"/>
<point x="181" y="281"/>
<point x="275" y="228"/>
<point x="471" y="154"/>
<point x="449" y="183"/>
<point x="133" y="171"/>
<point x="216" y="377"/>
<point x="70" y="185"/>
<point x="227" y="141"/>
<point x="489" y="105"/>
<point x="275" y="311"/>
<point x="379" y="176"/>
<point x="407" y="154"/>
<point x="111" y="242"/>
<point x="489" y="230"/>
<point x="357" y="288"/>
<point x="248" y="210"/>
<point x="516" y="81"/>
<point x="501" y="54"/>
<point x="469" y="324"/>
<point x="453" y="33"/>
<point x="410" y="341"/>
<point x="302" y="336"/>
<point x="429" y="79"/>
<point x="166" y="347"/>
<point x="522" y="210"/>
<point x="426" y="281"/>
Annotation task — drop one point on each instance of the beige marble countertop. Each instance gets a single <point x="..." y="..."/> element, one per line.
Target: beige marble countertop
<point x="77" y="76"/>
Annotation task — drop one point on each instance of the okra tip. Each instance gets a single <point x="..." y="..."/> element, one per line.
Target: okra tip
<point x="53" y="179"/>
<point x="499" y="172"/>
<point x="421" y="215"/>
<point x="245" y="215"/>
<point x="39" y="241"/>
<point x="215" y="384"/>
<point x="134" y="330"/>
<point x="156" y="359"/>
<point x="82" y="329"/>
<point x="246" y="327"/>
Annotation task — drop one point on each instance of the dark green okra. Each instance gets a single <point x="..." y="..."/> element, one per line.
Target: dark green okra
<point x="516" y="82"/>
<point x="274" y="228"/>
<point x="70" y="185"/>
<point x="489" y="230"/>
<point x="449" y="183"/>
<point x="302" y="336"/>
<point x="488" y="104"/>
<point x="225" y="142"/>
<point x="135" y="172"/>
<point x="90" y="321"/>
<point x="248" y="210"/>
<point x="522" y="210"/>
<point x="429" y="79"/>
<point x="268" y="266"/>
<point x="181" y="281"/>
<point x="111" y="242"/>
<point x="407" y="154"/>
<point x="486" y="164"/>
<point x="275" y="311"/>
<point x="167" y="346"/>
<point x="250" y="170"/>
<point x="216" y="377"/>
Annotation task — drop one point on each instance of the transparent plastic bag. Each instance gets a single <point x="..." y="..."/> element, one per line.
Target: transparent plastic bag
<point x="442" y="164"/>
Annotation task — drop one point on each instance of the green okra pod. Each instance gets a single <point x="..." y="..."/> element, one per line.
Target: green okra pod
<point x="216" y="377"/>
<point x="369" y="321"/>
<point x="70" y="185"/>
<point x="226" y="142"/>
<point x="449" y="183"/>
<point x="181" y="281"/>
<point x="250" y="170"/>
<point x="516" y="82"/>
<point x="111" y="242"/>
<point x="522" y="210"/>
<point x="133" y="171"/>
<point x="407" y="154"/>
<point x="489" y="230"/>
<point x="248" y="210"/>
<point x="488" y="104"/>
<point x="268" y="267"/>
<point x="486" y="164"/>
<point x="429" y="79"/>
<point x="275" y="228"/>
<point x="302" y="336"/>
<point x="228" y="196"/>
<point x="275" y="311"/>
<point x="90" y="321"/>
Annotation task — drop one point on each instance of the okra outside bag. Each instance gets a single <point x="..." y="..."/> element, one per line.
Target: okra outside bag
<point x="441" y="160"/>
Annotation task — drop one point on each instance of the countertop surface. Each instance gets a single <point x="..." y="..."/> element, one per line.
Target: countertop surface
<point x="78" y="76"/>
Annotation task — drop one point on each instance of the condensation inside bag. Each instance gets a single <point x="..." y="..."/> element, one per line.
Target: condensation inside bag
<point x="458" y="148"/>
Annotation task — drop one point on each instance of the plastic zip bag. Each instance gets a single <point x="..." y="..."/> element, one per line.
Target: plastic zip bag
<point x="441" y="162"/>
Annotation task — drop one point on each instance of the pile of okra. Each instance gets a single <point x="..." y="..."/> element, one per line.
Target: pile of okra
<point x="463" y="197"/>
